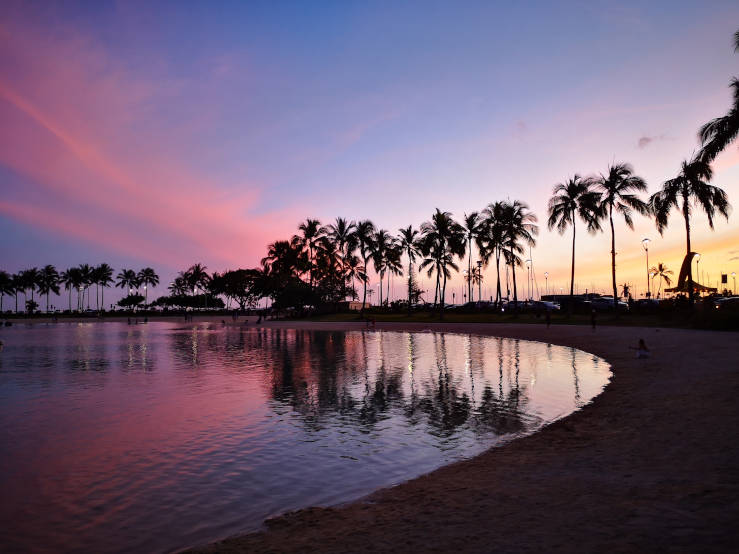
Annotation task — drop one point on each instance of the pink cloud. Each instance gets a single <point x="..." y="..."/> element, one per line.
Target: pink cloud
<point x="76" y="125"/>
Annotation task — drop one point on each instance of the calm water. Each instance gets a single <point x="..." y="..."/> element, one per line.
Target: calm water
<point x="153" y="437"/>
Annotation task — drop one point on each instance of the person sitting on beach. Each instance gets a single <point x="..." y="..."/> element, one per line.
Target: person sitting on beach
<point x="641" y="351"/>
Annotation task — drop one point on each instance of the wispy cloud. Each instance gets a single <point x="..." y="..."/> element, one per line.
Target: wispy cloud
<point x="646" y="140"/>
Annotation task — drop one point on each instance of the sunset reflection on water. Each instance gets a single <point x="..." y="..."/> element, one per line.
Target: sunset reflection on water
<point x="153" y="437"/>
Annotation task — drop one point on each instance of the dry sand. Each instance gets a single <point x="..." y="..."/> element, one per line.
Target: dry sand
<point x="649" y="466"/>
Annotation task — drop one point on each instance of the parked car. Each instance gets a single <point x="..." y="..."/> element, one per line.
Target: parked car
<point x="605" y="303"/>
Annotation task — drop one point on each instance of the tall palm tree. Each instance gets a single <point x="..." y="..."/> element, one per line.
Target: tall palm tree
<point x="491" y="240"/>
<point x="86" y="275"/>
<point x="364" y="233"/>
<point x="48" y="282"/>
<point x="384" y="256"/>
<point x="148" y="278"/>
<point x="661" y="271"/>
<point x="311" y="233"/>
<point x="617" y="188"/>
<point x="71" y="279"/>
<point x="5" y="287"/>
<point x="17" y="286"/>
<point x="341" y="233"/>
<point x="409" y="245"/>
<point x="442" y="240"/>
<point x="472" y="227"/>
<point x="519" y="230"/>
<point x="103" y="278"/>
<point x="29" y="279"/>
<point x="720" y="132"/>
<point x="690" y="188"/>
<point x="572" y="199"/>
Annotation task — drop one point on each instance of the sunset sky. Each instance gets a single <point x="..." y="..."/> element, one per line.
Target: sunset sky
<point x="164" y="134"/>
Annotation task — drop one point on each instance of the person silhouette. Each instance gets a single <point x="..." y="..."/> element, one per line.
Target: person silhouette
<point x="642" y="351"/>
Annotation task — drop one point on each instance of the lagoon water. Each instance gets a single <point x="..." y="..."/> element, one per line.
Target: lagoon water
<point x="131" y="438"/>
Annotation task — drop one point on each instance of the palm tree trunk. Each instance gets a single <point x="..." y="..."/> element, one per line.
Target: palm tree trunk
<point x="572" y="271"/>
<point x="469" y="270"/>
<point x="613" y="259"/>
<point x="515" y="286"/>
<point x="498" y="291"/>
<point x="70" y="299"/>
<point x="686" y="215"/>
<point x="16" y="301"/>
<point x="364" y="295"/>
<point x="47" y="302"/>
<point x="410" y="282"/>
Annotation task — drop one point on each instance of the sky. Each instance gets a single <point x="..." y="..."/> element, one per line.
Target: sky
<point x="164" y="134"/>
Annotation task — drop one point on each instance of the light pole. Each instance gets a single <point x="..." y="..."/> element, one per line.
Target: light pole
<point x="645" y="244"/>
<point x="546" y="281"/>
<point x="733" y="276"/>
<point x="467" y="284"/>
<point x="528" y="279"/>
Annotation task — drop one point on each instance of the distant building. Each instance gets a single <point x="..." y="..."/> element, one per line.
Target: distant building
<point x="354" y="305"/>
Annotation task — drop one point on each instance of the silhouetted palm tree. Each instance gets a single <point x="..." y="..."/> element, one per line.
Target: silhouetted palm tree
<point x="472" y="227"/>
<point x="491" y="239"/>
<point x="364" y="233"/>
<point x="341" y="233"/>
<point x="71" y="279"/>
<point x="519" y="230"/>
<point x="720" y="132"/>
<point x="310" y="233"/>
<point x="409" y="244"/>
<point x="103" y="278"/>
<point x="442" y="240"/>
<point x="6" y="287"/>
<point x="148" y="278"/>
<point x="48" y="282"/>
<point x="86" y="276"/>
<point x="127" y="279"/>
<point x="617" y="190"/>
<point x="17" y="286"/>
<point x="29" y="280"/>
<point x="660" y="271"/>
<point x="383" y="256"/>
<point x="689" y="187"/>
<point x="572" y="199"/>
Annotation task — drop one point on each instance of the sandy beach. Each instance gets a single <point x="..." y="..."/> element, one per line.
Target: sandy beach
<point x="649" y="466"/>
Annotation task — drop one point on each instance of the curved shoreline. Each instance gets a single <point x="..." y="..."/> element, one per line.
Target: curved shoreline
<point x="649" y="465"/>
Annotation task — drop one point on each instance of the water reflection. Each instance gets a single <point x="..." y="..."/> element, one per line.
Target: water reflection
<point x="122" y="432"/>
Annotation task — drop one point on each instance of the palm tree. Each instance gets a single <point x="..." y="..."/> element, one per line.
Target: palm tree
<point x="311" y="233"/>
<point x="689" y="187"/>
<point x="148" y="277"/>
<point x="341" y="233"/>
<point x="442" y="240"/>
<point x="127" y="279"/>
<point x="364" y="232"/>
<point x="71" y="279"/>
<point x="86" y="275"/>
<point x="572" y="199"/>
<point x="103" y="278"/>
<point x="409" y="245"/>
<point x="29" y="279"/>
<point x="48" y="282"/>
<point x="519" y="230"/>
<point x="384" y="256"/>
<point x="661" y="271"/>
<point x="472" y="227"/>
<point x="617" y="190"/>
<point x="491" y="239"/>
<point x="16" y="286"/>
<point x="720" y="132"/>
<point x="6" y="287"/>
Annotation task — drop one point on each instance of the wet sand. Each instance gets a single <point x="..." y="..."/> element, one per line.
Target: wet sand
<point x="650" y="466"/>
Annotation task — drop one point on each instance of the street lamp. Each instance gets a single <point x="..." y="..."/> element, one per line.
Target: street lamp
<point x="645" y="244"/>
<point x="528" y="278"/>
<point x="546" y="281"/>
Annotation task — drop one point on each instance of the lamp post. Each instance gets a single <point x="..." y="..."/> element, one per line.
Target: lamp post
<point x="645" y="245"/>
<point x="546" y="281"/>
<point x="528" y="278"/>
<point x="733" y="276"/>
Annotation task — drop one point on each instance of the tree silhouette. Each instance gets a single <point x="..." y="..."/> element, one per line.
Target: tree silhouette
<point x="617" y="188"/>
<point x="689" y="189"/>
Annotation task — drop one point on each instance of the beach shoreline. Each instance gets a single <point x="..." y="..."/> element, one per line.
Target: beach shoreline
<point x="649" y="465"/>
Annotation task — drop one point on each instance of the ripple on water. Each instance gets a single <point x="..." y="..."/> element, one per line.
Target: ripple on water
<point x="152" y="437"/>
